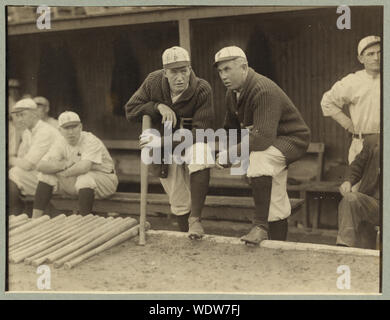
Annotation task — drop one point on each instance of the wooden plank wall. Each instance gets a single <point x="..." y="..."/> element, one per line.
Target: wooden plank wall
<point x="98" y="58"/>
<point x="303" y="52"/>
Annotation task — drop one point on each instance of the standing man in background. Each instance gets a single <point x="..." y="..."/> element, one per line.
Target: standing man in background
<point x="360" y="91"/>
<point x="43" y="109"/>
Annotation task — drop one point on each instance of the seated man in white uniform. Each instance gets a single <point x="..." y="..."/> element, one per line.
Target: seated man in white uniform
<point x="36" y="140"/>
<point x="77" y="164"/>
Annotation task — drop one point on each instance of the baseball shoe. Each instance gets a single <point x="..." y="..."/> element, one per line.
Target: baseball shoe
<point x="255" y="236"/>
<point x="195" y="231"/>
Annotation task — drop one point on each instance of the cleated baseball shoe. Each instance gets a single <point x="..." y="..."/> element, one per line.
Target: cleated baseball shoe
<point x="255" y="236"/>
<point x="195" y="231"/>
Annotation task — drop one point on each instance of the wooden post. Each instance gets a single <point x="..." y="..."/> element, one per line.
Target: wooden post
<point x="185" y="35"/>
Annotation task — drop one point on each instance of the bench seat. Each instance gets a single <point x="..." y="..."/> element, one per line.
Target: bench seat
<point x="216" y="207"/>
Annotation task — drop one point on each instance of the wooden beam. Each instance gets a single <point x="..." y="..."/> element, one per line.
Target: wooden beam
<point x="151" y="16"/>
<point x="185" y="34"/>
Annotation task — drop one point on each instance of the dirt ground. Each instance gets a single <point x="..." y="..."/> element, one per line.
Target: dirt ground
<point x="168" y="264"/>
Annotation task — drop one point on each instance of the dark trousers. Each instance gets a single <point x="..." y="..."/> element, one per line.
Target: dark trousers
<point x="355" y="208"/>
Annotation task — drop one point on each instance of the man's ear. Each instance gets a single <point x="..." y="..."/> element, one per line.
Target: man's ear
<point x="165" y="72"/>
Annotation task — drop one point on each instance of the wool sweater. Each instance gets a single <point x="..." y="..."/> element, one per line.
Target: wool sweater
<point x="366" y="167"/>
<point x="195" y="102"/>
<point x="273" y="118"/>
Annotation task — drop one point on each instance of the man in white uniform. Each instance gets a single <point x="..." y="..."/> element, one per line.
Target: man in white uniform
<point x="77" y="164"/>
<point x="361" y="92"/>
<point x="43" y="109"/>
<point x="37" y="138"/>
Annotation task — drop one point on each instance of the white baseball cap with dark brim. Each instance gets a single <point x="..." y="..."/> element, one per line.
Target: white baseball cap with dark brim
<point x="175" y="57"/>
<point x="68" y="118"/>
<point x="228" y="53"/>
<point x="367" y="42"/>
<point x="24" y="104"/>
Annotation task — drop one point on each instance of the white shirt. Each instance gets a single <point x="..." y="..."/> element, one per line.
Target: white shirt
<point x="361" y="92"/>
<point x="89" y="147"/>
<point x="37" y="141"/>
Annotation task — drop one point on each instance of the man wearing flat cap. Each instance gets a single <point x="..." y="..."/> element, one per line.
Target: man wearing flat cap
<point x="278" y="136"/>
<point x="176" y="96"/>
<point x="77" y="164"/>
<point x="360" y="91"/>
<point x="43" y="109"/>
<point x="37" y="138"/>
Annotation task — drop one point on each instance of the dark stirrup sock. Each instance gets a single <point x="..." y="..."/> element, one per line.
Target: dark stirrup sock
<point x="15" y="204"/>
<point x="182" y="221"/>
<point x="261" y="191"/>
<point x="199" y="182"/>
<point x="43" y="195"/>
<point x="86" y="197"/>
<point x="278" y="230"/>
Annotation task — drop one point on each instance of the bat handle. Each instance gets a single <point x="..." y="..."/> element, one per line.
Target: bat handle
<point x="146" y="124"/>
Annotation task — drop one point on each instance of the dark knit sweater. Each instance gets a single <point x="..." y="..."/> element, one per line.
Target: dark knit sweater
<point x="275" y="119"/>
<point x="196" y="101"/>
<point x="366" y="167"/>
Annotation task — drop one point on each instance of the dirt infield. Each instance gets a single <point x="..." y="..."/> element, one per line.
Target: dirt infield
<point x="169" y="264"/>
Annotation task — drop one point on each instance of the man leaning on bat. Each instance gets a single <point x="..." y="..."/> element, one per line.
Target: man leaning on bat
<point x="170" y="96"/>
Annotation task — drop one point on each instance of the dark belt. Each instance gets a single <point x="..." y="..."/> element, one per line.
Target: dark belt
<point x="363" y="135"/>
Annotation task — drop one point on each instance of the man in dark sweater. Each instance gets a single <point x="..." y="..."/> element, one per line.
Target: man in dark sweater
<point x="278" y="136"/>
<point x="170" y="96"/>
<point x="363" y="205"/>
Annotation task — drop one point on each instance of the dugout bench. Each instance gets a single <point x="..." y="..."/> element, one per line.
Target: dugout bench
<point x="305" y="177"/>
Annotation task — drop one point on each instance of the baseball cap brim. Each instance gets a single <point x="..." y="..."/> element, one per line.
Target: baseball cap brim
<point x="70" y="123"/>
<point x="178" y="64"/>
<point x="225" y="59"/>
<point x="370" y="44"/>
<point x="20" y="110"/>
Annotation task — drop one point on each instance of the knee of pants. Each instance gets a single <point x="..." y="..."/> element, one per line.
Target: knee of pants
<point x="50" y="179"/>
<point x="350" y="197"/>
<point x="85" y="181"/>
<point x="15" y="173"/>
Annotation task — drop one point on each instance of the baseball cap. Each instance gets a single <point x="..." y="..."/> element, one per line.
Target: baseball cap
<point x="229" y="53"/>
<point x="13" y="83"/>
<point x="24" y="104"/>
<point x="175" y="57"/>
<point x="68" y="117"/>
<point x="367" y="42"/>
<point x="41" y="101"/>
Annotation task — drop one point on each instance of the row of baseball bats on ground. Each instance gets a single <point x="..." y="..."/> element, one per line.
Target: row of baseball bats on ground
<point x="66" y="240"/>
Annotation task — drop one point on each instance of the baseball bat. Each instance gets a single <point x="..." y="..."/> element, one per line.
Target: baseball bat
<point x="19" y="217"/>
<point x="18" y="224"/>
<point x="118" y="229"/>
<point x="107" y="245"/>
<point x="53" y="232"/>
<point x="29" y="225"/>
<point x="146" y="124"/>
<point x="42" y="256"/>
<point x="78" y="243"/>
<point x="38" y="229"/>
<point x="30" y="251"/>
<point x="65" y="229"/>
